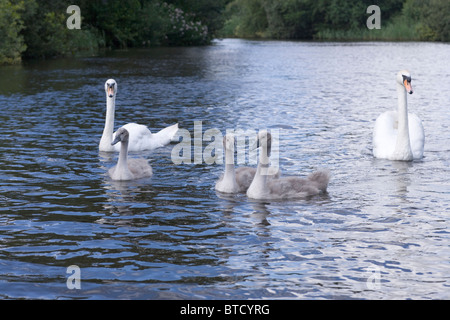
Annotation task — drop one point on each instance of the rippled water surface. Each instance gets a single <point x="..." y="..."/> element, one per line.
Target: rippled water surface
<point x="381" y="232"/>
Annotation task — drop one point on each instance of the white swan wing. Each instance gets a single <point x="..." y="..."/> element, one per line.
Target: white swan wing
<point x="416" y="135"/>
<point x="166" y="135"/>
<point x="385" y="135"/>
<point x="141" y="137"/>
<point x="138" y="135"/>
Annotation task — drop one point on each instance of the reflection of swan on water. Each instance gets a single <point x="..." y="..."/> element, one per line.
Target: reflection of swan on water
<point x="284" y="187"/>
<point x="399" y="135"/>
<point x="140" y="136"/>
<point x="260" y="213"/>
<point x="122" y="198"/>
<point x="128" y="169"/>
<point x="236" y="180"/>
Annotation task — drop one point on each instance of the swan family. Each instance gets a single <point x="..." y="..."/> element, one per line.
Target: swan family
<point x="397" y="135"/>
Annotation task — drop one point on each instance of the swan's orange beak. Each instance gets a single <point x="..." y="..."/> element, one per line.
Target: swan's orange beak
<point x="408" y="87"/>
<point x="110" y="91"/>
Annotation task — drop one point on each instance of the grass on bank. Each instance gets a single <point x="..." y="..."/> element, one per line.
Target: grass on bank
<point x="399" y="29"/>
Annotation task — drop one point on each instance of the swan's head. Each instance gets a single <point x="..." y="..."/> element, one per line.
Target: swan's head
<point x="404" y="79"/>
<point x="121" y="135"/>
<point x="228" y="141"/>
<point x="111" y="88"/>
<point x="264" y="139"/>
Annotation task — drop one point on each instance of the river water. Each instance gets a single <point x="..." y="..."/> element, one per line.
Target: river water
<point x="381" y="231"/>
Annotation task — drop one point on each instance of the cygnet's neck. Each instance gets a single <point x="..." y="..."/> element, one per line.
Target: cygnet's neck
<point x="105" y="141"/>
<point x="229" y="176"/>
<point x="403" y="145"/>
<point x="263" y="164"/>
<point x="258" y="185"/>
<point x="122" y="163"/>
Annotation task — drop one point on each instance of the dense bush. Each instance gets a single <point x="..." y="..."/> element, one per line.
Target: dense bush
<point x="182" y="28"/>
<point x="337" y="19"/>
<point x="11" y="41"/>
<point x="37" y="28"/>
<point x="430" y="19"/>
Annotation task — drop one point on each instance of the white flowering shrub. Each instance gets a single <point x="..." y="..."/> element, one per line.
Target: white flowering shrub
<point x="182" y="28"/>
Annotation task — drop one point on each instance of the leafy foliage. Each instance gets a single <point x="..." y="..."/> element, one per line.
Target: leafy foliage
<point x="337" y="19"/>
<point x="37" y="28"/>
<point x="11" y="41"/>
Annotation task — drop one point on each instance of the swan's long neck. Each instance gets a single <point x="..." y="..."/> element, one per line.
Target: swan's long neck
<point x="105" y="141"/>
<point x="403" y="146"/>
<point x="258" y="185"/>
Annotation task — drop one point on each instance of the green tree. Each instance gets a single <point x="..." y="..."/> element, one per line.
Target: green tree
<point x="292" y="19"/>
<point x="429" y="18"/>
<point x="12" y="43"/>
<point x="46" y="34"/>
<point x="119" y="21"/>
<point x="209" y="12"/>
<point x="246" y="18"/>
<point x="438" y="18"/>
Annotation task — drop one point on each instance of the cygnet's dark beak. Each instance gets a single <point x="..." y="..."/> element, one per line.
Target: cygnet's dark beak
<point x="117" y="139"/>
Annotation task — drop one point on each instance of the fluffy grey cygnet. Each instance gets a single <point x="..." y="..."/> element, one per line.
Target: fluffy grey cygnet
<point x="235" y="180"/>
<point x="128" y="169"/>
<point x="285" y="187"/>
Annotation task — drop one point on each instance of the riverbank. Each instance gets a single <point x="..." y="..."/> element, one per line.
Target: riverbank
<point x="397" y="30"/>
<point x="409" y="20"/>
<point x="37" y="29"/>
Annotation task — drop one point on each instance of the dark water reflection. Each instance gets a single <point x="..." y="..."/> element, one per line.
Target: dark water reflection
<point x="172" y="236"/>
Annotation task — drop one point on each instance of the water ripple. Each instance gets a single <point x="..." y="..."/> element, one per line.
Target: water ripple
<point x="172" y="236"/>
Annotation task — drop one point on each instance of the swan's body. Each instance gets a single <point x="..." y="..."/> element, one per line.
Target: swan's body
<point x="284" y="187"/>
<point x="399" y="135"/>
<point x="128" y="169"/>
<point x="236" y="180"/>
<point x="140" y="136"/>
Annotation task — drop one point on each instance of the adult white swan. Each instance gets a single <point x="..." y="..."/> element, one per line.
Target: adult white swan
<point x="236" y="180"/>
<point x="399" y="135"/>
<point x="140" y="136"/>
<point x="285" y="187"/>
<point x="128" y="169"/>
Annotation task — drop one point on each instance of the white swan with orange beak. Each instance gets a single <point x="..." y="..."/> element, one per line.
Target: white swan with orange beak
<point x="399" y="135"/>
<point x="140" y="137"/>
